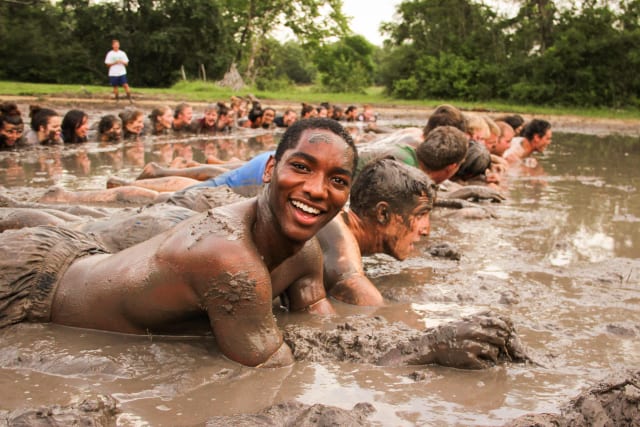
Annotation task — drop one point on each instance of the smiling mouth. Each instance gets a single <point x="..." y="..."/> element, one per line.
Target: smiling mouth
<point x="305" y="208"/>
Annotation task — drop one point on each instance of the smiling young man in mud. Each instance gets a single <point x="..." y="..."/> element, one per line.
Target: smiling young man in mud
<point x="224" y="266"/>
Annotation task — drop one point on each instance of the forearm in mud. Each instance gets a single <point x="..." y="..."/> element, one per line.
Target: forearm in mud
<point x="475" y="342"/>
<point x="281" y="357"/>
<point x="474" y="193"/>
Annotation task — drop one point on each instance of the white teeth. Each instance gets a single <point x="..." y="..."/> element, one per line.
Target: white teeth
<point x="305" y="208"/>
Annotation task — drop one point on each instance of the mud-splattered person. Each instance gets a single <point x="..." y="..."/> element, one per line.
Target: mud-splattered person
<point x="388" y="213"/>
<point x="223" y="266"/>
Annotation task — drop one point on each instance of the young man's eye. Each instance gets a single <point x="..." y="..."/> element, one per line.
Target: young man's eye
<point x="300" y="166"/>
<point x="341" y="181"/>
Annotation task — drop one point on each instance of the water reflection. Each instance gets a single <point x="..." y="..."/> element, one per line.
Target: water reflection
<point x="561" y="258"/>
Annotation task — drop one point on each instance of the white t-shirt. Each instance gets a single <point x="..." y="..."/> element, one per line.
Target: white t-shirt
<point x="117" y="69"/>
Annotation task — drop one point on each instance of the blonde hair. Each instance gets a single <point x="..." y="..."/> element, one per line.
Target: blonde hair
<point x="494" y="129"/>
<point x="477" y="124"/>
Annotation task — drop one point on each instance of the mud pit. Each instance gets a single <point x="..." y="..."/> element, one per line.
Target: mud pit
<point x="560" y="258"/>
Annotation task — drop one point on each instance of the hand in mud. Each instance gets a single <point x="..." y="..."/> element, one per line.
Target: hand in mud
<point x="476" y="342"/>
<point x="475" y="192"/>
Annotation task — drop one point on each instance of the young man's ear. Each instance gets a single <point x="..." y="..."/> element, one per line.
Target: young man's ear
<point x="382" y="213"/>
<point x="268" y="170"/>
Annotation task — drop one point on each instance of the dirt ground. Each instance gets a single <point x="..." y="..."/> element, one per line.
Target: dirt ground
<point x="388" y="112"/>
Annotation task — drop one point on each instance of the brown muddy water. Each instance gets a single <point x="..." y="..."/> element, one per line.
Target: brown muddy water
<point x="560" y="258"/>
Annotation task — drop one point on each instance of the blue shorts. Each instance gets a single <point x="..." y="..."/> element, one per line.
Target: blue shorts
<point x="248" y="174"/>
<point x="118" y="80"/>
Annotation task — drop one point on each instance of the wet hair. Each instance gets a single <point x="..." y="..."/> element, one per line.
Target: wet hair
<point x="337" y="112"/>
<point x="291" y="136"/>
<point x="70" y="122"/>
<point x="158" y="112"/>
<point x="106" y="123"/>
<point x="477" y="161"/>
<point x="40" y="116"/>
<point x="445" y="115"/>
<point x="536" y="127"/>
<point x="10" y="113"/>
<point x="255" y="113"/>
<point x="442" y="147"/>
<point x="494" y="129"/>
<point x="223" y="109"/>
<point x="179" y="109"/>
<point x="504" y="127"/>
<point x="306" y="109"/>
<point x="514" y="120"/>
<point x="475" y="123"/>
<point x="127" y="117"/>
<point x="391" y="181"/>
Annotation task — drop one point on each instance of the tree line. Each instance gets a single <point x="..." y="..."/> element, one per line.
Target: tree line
<point x="549" y="53"/>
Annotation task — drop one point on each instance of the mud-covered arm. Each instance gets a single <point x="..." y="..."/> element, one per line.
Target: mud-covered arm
<point x="474" y="342"/>
<point x="344" y="276"/>
<point x="239" y="306"/>
<point x="473" y="192"/>
<point x="299" y="278"/>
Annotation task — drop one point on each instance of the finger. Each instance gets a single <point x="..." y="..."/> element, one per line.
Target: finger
<point x="463" y="360"/>
<point x="483" y="350"/>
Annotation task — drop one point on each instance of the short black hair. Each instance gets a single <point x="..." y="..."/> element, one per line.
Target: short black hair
<point x="291" y="136"/>
<point x="536" y="127"/>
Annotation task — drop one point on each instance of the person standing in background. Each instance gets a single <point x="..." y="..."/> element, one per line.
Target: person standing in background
<point x="117" y="62"/>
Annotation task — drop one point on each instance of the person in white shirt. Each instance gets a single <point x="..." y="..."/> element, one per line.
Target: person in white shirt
<point x="117" y="62"/>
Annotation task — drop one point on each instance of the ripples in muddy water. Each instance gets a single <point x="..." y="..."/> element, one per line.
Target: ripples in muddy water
<point x="561" y="258"/>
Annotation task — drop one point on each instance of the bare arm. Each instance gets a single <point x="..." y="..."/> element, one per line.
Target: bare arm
<point x="300" y="278"/>
<point x="231" y="285"/>
<point x="344" y="276"/>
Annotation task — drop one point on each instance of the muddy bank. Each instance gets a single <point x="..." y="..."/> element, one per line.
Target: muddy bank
<point x="613" y="402"/>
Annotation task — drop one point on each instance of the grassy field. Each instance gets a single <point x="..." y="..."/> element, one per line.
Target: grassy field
<point x="199" y="91"/>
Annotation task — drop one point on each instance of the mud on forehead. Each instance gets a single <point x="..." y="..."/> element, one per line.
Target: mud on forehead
<point x="326" y="136"/>
<point x="317" y="137"/>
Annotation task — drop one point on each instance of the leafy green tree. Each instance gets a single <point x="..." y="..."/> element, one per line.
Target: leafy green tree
<point x="35" y="44"/>
<point x="278" y="66"/>
<point x="441" y="48"/>
<point x="253" y="21"/>
<point x="346" y="65"/>
<point x="587" y="64"/>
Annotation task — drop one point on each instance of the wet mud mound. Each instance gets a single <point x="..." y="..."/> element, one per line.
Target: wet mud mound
<point x="614" y="403"/>
<point x="97" y="411"/>
<point x="475" y="342"/>
<point x="294" y="414"/>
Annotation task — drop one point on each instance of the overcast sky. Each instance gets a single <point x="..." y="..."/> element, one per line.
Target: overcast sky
<point x="367" y="16"/>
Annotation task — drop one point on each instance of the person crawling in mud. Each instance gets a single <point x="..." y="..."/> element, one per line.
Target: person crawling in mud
<point x="224" y="265"/>
<point x="389" y="211"/>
